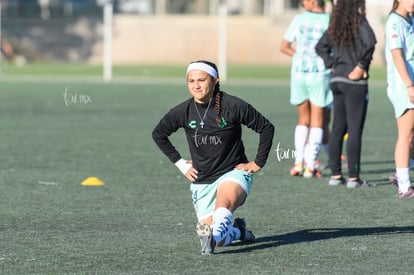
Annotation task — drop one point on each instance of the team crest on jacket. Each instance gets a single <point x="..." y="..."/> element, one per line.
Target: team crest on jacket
<point x="192" y="124"/>
<point x="223" y="123"/>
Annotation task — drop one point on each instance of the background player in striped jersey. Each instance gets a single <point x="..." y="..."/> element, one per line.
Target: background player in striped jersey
<point x="309" y="84"/>
<point x="399" y="53"/>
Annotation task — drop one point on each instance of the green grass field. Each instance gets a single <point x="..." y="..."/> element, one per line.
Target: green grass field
<point x="151" y="71"/>
<point x="56" y="133"/>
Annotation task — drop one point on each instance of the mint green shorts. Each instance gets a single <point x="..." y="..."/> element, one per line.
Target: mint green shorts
<point x="312" y="87"/>
<point x="204" y="195"/>
<point x="397" y="94"/>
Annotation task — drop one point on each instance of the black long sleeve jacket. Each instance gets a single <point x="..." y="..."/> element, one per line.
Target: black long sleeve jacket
<point x="215" y="149"/>
<point x="344" y="59"/>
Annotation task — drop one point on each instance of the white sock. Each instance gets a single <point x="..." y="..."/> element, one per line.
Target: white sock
<point x="314" y="146"/>
<point x="305" y="153"/>
<point x="221" y="223"/>
<point x="403" y="179"/>
<point x="301" y="135"/>
<point x="232" y="235"/>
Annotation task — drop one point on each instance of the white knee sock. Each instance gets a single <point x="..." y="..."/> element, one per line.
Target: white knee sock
<point x="314" y="146"/>
<point x="403" y="179"/>
<point x="232" y="235"/>
<point x="221" y="223"/>
<point x="301" y="135"/>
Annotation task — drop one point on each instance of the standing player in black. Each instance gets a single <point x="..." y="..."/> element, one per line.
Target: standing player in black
<point x="219" y="171"/>
<point x="347" y="48"/>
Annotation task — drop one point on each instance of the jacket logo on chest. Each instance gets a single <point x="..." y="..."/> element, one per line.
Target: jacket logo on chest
<point x="192" y="124"/>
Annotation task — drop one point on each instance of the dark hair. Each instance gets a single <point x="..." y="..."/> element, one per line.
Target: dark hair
<point x="217" y="93"/>
<point x="347" y="16"/>
<point x="394" y="5"/>
<point x="321" y="3"/>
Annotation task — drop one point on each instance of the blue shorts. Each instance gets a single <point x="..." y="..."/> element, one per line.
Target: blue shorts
<point x="205" y="195"/>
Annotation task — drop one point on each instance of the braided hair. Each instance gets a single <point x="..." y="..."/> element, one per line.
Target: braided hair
<point x="347" y="17"/>
<point x="217" y="94"/>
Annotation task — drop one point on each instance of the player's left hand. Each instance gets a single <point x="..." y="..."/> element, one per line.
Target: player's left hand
<point x="358" y="73"/>
<point x="249" y="167"/>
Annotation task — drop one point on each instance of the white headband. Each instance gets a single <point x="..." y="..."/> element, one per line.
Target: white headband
<point x="203" y="67"/>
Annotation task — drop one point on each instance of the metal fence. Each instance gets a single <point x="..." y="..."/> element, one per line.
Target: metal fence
<point x="72" y="30"/>
<point x="69" y="30"/>
<point x="46" y="9"/>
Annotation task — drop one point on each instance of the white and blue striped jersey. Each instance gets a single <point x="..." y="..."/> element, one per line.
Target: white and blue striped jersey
<point x="399" y="34"/>
<point x="305" y="30"/>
